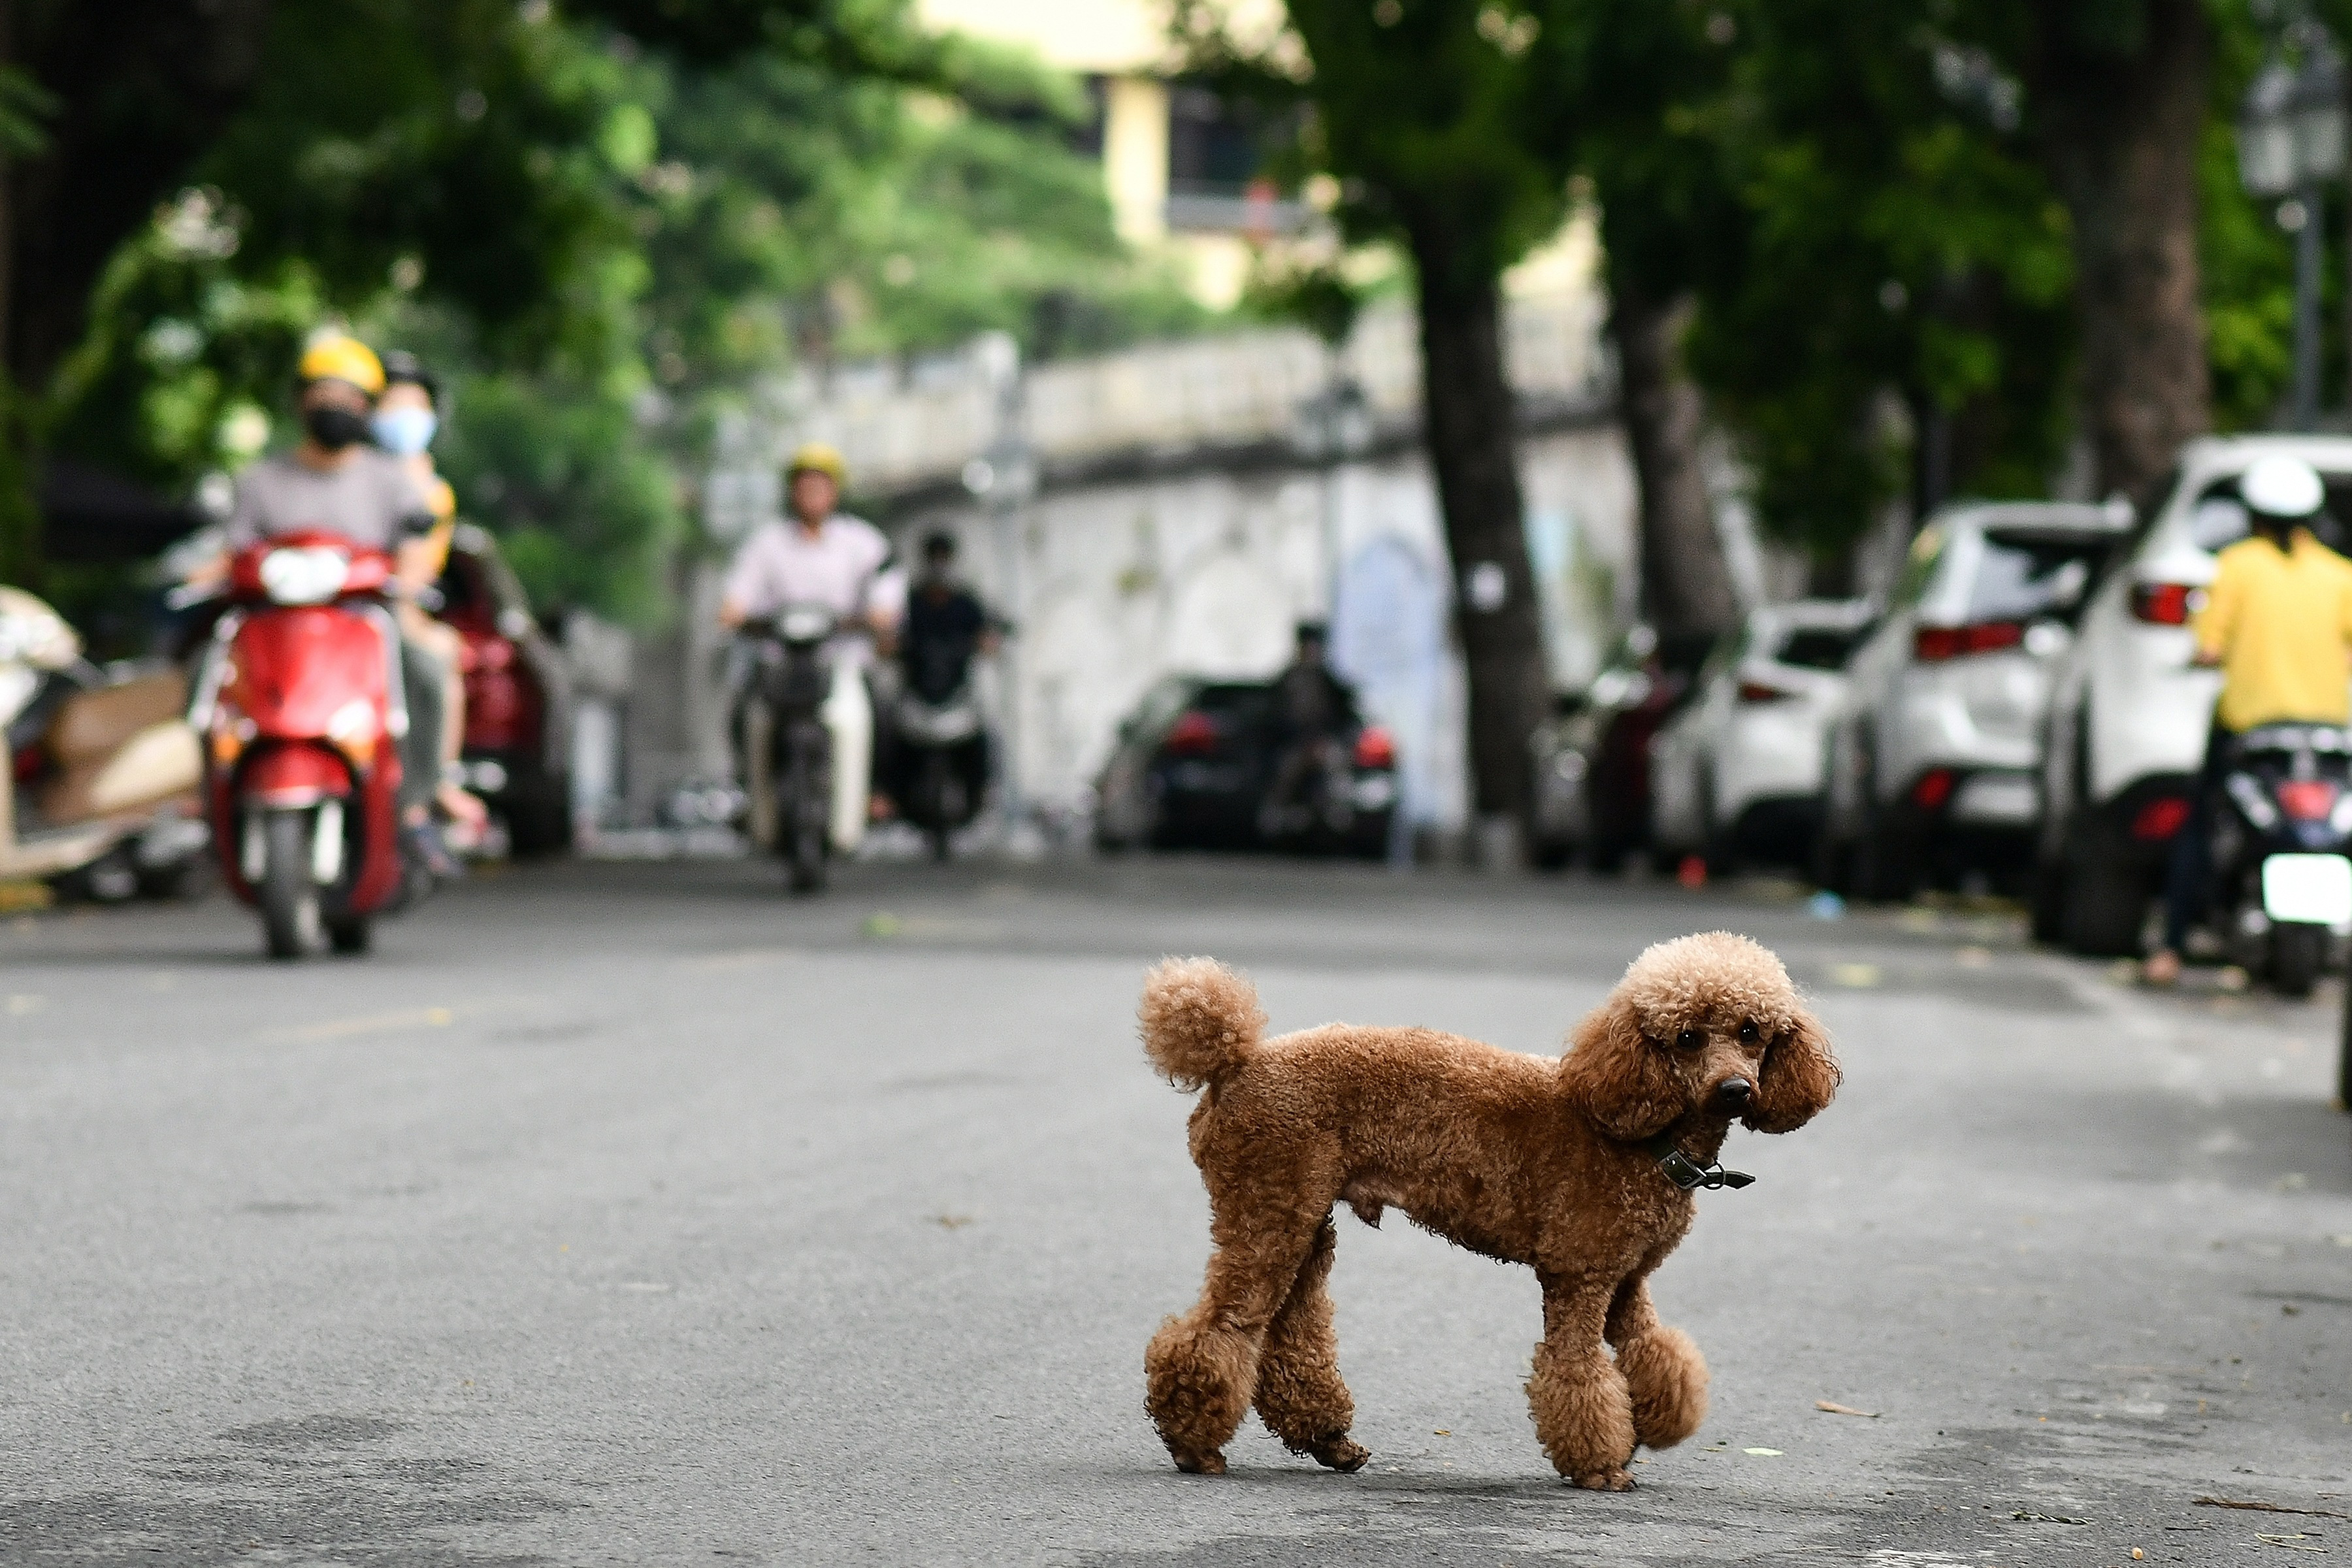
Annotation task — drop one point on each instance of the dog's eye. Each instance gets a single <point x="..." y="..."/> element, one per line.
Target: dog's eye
<point x="1749" y="1033"/>
<point x="1690" y="1039"/>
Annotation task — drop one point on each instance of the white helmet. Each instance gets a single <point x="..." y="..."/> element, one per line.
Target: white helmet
<point x="2281" y="487"/>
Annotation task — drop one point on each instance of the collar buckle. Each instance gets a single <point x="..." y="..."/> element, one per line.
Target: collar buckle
<point x="1689" y="1174"/>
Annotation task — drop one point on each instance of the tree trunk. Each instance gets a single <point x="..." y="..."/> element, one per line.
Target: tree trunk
<point x="2120" y="140"/>
<point x="1686" y="583"/>
<point x="1471" y="422"/>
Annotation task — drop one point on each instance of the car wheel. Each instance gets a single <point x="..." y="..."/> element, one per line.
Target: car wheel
<point x="1881" y="864"/>
<point x="2298" y="952"/>
<point x="2344" y="1054"/>
<point x="539" y="813"/>
<point x="2106" y="896"/>
<point x="2046" y="903"/>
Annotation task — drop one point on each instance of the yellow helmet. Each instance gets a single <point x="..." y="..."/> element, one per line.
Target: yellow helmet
<point x="337" y="357"/>
<point x="821" y="459"/>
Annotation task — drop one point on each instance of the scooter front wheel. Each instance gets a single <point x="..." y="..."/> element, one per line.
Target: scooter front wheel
<point x="289" y="898"/>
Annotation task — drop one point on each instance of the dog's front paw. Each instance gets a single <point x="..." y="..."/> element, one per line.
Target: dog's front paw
<point x="1342" y="1453"/>
<point x="1611" y="1480"/>
<point x="1208" y="1463"/>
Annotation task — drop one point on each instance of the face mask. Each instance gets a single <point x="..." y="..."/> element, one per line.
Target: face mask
<point x="405" y="432"/>
<point x="335" y="428"/>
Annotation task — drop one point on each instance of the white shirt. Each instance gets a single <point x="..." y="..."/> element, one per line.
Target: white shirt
<point x="782" y="564"/>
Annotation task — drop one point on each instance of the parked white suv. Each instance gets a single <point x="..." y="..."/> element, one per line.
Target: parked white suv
<point x="2129" y="713"/>
<point x="1737" y="772"/>
<point x="1934" y="754"/>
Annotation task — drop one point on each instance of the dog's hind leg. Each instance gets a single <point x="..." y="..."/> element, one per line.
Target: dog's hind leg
<point x="1583" y="1413"/>
<point x="1663" y="1370"/>
<point x="1300" y="1396"/>
<point x="1201" y="1369"/>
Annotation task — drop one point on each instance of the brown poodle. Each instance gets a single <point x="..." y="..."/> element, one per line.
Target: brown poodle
<point x="1581" y="1167"/>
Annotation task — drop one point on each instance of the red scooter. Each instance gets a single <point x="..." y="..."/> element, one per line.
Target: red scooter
<point x="302" y="710"/>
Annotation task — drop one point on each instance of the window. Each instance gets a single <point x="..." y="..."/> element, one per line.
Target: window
<point x="1926" y="555"/>
<point x="1819" y="647"/>
<point x="2030" y="574"/>
<point x="2219" y="517"/>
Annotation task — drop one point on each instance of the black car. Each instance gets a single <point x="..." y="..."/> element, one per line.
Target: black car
<point x="1195" y="760"/>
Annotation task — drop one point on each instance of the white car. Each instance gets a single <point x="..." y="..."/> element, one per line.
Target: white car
<point x="2129" y="714"/>
<point x="1933" y="756"/>
<point x="1737" y="772"/>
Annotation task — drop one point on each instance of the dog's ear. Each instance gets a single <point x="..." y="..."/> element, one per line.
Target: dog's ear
<point x="1800" y="1076"/>
<point x="1621" y="1081"/>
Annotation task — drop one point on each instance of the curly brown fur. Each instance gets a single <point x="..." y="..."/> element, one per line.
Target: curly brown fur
<point x="1525" y="1159"/>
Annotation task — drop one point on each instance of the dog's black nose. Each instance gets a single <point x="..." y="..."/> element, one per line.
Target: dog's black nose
<point x="1735" y="1093"/>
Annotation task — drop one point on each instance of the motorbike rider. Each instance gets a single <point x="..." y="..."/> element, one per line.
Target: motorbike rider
<point x="334" y="480"/>
<point x="407" y="418"/>
<point x="1312" y="706"/>
<point x="2277" y="621"/>
<point x="946" y="626"/>
<point x="821" y="556"/>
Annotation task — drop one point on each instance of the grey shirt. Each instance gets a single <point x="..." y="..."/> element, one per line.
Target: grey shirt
<point x="369" y="499"/>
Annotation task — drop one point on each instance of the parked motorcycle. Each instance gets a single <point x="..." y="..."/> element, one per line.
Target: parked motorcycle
<point x="2281" y="831"/>
<point x="942" y="763"/>
<point x="300" y="704"/>
<point x="99" y="768"/>
<point x="786" y="750"/>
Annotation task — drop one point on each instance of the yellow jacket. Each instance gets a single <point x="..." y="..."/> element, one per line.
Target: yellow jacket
<point x="2279" y="624"/>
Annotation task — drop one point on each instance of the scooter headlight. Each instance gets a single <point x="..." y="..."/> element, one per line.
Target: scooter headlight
<point x="805" y="626"/>
<point x="308" y="575"/>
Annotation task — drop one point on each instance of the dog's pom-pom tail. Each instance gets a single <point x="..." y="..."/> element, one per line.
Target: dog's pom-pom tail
<point x="1200" y="1020"/>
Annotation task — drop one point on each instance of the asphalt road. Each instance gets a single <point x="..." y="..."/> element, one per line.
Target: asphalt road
<point x="634" y="1214"/>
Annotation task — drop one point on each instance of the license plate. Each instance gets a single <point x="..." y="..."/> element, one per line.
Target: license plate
<point x="2312" y="888"/>
<point x="1997" y="798"/>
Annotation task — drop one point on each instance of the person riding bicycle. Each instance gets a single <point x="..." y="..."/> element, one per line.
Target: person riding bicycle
<point x="2277" y="621"/>
<point x="335" y="481"/>
<point x="827" y="558"/>
<point x="1313" y="708"/>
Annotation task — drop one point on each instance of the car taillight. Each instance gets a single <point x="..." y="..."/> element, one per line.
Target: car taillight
<point x="28" y="762"/>
<point x="2159" y="819"/>
<point x="1934" y="644"/>
<point x="1934" y="788"/>
<point x="2165" y="603"/>
<point x="1375" y="748"/>
<point x="2306" y="800"/>
<point x="1758" y="691"/>
<point x="1193" y="734"/>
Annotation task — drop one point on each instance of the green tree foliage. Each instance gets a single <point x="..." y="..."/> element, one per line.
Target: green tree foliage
<point x="1893" y="238"/>
<point x="602" y="244"/>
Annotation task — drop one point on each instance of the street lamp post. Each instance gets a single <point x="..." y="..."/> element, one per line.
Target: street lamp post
<point x="2291" y="146"/>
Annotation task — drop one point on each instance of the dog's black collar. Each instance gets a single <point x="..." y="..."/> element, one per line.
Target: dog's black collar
<point x="1686" y="1172"/>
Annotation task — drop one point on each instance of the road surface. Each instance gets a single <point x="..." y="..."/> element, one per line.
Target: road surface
<point x="637" y="1215"/>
